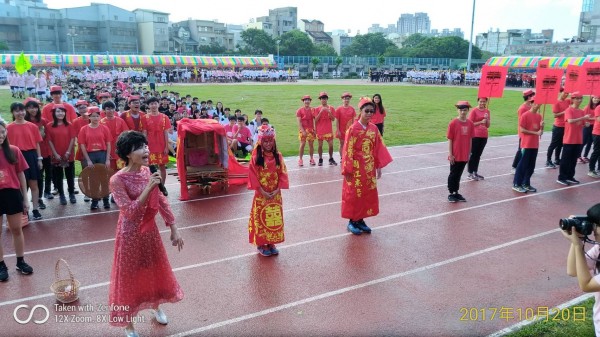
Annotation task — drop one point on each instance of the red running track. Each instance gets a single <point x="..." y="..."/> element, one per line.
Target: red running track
<point x="426" y="263"/>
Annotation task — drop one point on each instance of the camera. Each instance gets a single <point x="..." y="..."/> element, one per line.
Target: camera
<point x="583" y="225"/>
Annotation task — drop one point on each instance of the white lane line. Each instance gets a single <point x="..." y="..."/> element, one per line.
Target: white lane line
<point x="308" y="242"/>
<point x="359" y="286"/>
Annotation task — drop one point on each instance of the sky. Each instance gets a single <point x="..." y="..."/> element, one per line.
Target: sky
<point x="357" y="16"/>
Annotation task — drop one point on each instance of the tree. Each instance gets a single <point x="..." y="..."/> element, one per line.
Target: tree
<point x="315" y="61"/>
<point x="372" y="44"/>
<point x="212" y="48"/>
<point x="338" y="62"/>
<point x="381" y="60"/>
<point x="258" y="42"/>
<point x="323" y="49"/>
<point x="295" y="43"/>
<point x="486" y="55"/>
<point x="413" y="40"/>
<point x="3" y="45"/>
<point x="443" y="47"/>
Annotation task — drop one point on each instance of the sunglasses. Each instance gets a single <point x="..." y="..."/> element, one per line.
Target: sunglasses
<point x="369" y="111"/>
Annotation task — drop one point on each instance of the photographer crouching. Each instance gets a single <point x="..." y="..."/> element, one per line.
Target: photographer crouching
<point x="581" y="264"/>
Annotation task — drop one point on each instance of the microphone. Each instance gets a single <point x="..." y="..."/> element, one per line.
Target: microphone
<point x="161" y="187"/>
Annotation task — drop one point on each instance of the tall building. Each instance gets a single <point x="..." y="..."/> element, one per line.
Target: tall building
<point x="589" y="21"/>
<point x="207" y="32"/>
<point x="153" y="31"/>
<point x="409" y="24"/>
<point x="279" y="21"/>
<point x="447" y="32"/>
<point x="315" y="30"/>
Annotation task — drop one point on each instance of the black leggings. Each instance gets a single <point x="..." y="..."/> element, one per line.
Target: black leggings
<point x="456" y="172"/>
<point x="69" y="172"/>
<point x="477" y="146"/>
<point x="556" y="143"/>
<point x="594" y="159"/>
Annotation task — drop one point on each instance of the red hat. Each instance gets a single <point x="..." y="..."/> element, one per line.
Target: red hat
<point x="576" y="94"/>
<point x="346" y="94"/>
<point x="463" y="104"/>
<point x="133" y="98"/>
<point x="59" y="106"/>
<point x="30" y="99"/>
<point x="92" y="109"/>
<point x="55" y="88"/>
<point x="528" y="92"/>
<point x="265" y="132"/>
<point x="364" y="101"/>
<point x="82" y="102"/>
<point x="323" y="94"/>
<point x="305" y="97"/>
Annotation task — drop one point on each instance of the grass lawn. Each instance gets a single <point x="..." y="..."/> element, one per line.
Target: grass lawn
<point x="415" y="114"/>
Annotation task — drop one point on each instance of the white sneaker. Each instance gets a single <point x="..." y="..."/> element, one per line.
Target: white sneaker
<point x="131" y="333"/>
<point x="513" y="170"/>
<point x="160" y="316"/>
<point x="594" y="174"/>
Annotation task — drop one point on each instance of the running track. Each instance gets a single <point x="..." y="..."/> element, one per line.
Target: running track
<point x="425" y="261"/>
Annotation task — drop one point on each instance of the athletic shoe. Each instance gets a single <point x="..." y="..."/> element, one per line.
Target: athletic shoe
<point x="48" y="195"/>
<point x="362" y="225"/>
<point x="106" y="204"/>
<point x="86" y="199"/>
<point x="472" y="176"/>
<point x="55" y="191"/>
<point x="274" y="251"/>
<point x="353" y="228"/>
<point x="530" y="188"/>
<point x="459" y="197"/>
<point x="24" y="268"/>
<point x="312" y="162"/>
<point x="452" y="198"/>
<point x="519" y="189"/>
<point x="572" y="181"/>
<point x="513" y="170"/>
<point x="549" y="164"/>
<point x="478" y="176"/>
<point x="557" y="162"/>
<point x="160" y="316"/>
<point x="41" y="204"/>
<point x="63" y="199"/>
<point x="320" y="161"/>
<point x="563" y="182"/>
<point x="594" y="174"/>
<point x="72" y="198"/>
<point x="264" y="250"/>
<point x="94" y="205"/>
<point x="300" y="162"/>
<point x="3" y="273"/>
<point x="332" y="162"/>
<point x="36" y="214"/>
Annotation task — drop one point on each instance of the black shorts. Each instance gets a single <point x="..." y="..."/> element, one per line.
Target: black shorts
<point x="33" y="172"/>
<point x="11" y="201"/>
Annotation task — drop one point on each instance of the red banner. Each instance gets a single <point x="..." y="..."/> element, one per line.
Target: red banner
<point x="572" y="78"/>
<point x="589" y="79"/>
<point x="547" y="85"/>
<point x="493" y="80"/>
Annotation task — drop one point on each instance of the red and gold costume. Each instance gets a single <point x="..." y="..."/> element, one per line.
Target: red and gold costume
<point x="141" y="276"/>
<point x="116" y="126"/>
<point x="265" y="225"/>
<point x="133" y="123"/>
<point x="155" y="127"/>
<point x="364" y="153"/>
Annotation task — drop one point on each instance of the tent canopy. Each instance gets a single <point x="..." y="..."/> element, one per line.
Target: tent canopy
<point x="532" y="61"/>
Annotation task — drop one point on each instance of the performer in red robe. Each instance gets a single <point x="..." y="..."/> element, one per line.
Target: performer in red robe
<point x="156" y="127"/>
<point x="267" y="175"/>
<point x="362" y="159"/>
<point x="141" y="276"/>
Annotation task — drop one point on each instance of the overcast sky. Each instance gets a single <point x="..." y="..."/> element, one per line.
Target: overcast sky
<point x="560" y="15"/>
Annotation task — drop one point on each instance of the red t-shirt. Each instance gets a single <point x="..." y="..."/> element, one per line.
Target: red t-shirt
<point x="530" y="121"/>
<point x="476" y="115"/>
<point x="378" y="117"/>
<point x="94" y="139"/>
<point x="573" y="131"/>
<point x="558" y="108"/>
<point x="306" y="118"/>
<point x="345" y="117"/>
<point x="61" y="136"/>
<point x="596" y="129"/>
<point x="24" y="136"/>
<point x="244" y="135"/>
<point x="47" y="112"/>
<point x="323" y="124"/>
<point x="229" y="130"/>
<point x="589" y="111"/>
<point x="44" y="148"/>
<point x="9" y="173"/>
<point x="155" y="127"/>
<point x="461" y="133"/>
<point x="133" y="123"/>
<point x="116" y="126"/>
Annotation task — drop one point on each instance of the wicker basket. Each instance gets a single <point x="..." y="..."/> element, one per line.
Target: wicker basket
<point x="66" y="290"/>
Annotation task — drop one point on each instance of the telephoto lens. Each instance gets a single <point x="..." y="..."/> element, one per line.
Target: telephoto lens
<point x="581" y="224"/>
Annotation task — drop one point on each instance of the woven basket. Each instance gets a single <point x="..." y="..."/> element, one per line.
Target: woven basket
<point x="66" y="290"/>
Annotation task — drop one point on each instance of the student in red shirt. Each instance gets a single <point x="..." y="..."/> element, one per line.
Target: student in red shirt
<point x="94" y="142"/>
<point x="229" y="131"/>
<point x="345" y="115"/>
<point x="558" y="129"/>
<point x="380" y="114"/>
<point x="531" y="127"/>
<point x="324" y="115"/>
<point x="306" y="129"/>
<point x="13" y="200"/>
<point x="587" y="130"/>
<point x="156" y="128"/>
<point x="575" y="120"/>
<point x="480" y="116"/>
<point x="61" y="140"/>
<point x="528" y="97"/>
<point x="26" y="136"/>
<point x="460" y="134"/>
<point x="34" y="115"/>
<point x="594" y="164"/>
<point x="116" y="126"/>
<point x="133" y="116"/>
<point x="242" y="137"/>
<point x="56" y="93"/>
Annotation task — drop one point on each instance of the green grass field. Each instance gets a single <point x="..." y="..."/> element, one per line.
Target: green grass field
<point x="415" y="114"/>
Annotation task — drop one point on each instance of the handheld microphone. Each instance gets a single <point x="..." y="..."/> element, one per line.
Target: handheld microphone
<point x="161" y="187"/>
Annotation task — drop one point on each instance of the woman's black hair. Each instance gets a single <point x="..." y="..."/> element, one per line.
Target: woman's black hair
<point x="16" y="106"/>
<point x="592" y="105"/>
<point x="128" y="142"/>
<point x="108" y="104"/>
<point x="380" y="104"/>
<point x="55" y="119"/>
<point x="10" y="156"/>
<point x="38" y="117"/>
<point x="260" y="160"/>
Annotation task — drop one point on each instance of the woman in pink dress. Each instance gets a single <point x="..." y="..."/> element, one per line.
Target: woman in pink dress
<point x="141" y="276"/>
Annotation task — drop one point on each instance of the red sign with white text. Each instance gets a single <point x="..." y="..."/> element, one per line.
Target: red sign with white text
<point x="547" y="85"/>
<point x="589" y="79"/>
<point x="493" y="80"/>
<point x="572" y="78"/>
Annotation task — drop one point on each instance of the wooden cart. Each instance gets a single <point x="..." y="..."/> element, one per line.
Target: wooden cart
<point x="202" y="163"/>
